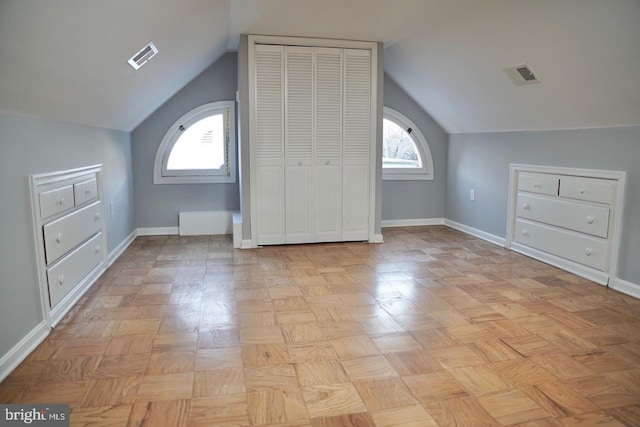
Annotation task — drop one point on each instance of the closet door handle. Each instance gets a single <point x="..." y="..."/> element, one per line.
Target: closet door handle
<point x="326" y="162"/>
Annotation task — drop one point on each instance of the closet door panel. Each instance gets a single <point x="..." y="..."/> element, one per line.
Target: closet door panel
<point x="327" y="183"/>
<point x="298" y="143"/>
<point x="269" y="144"/>
<point x="355" y="187"/>
<point x="356" y="144"/>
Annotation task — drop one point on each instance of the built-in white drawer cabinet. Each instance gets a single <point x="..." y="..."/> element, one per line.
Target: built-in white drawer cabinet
<point x="586" y="250"/>
<point x="567" y="217"/>
<point x="588" y="189"/>
<point x="70" y="236"/>
<point x="73" y="268"/>
<point x="538" y="183"/>
<point x="580" y="217"/>
<point x="64" y="234"/>
<point x="85" y="191"/>
<point x="55" y="201"/>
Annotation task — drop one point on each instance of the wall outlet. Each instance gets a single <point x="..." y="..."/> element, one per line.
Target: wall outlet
<point x="472" y="194"/>
<point x="111" y="208"/>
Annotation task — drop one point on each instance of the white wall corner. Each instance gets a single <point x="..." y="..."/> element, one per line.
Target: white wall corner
<point x="491" y="238"/>
<point x="628" y="288"/>
<point x="22" y="349"/>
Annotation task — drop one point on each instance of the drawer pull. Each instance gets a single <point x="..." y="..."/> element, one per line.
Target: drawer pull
<point x="583" y="191"/>
<point x="96" y="216"/>
<point x="87" y="191"/>
<point x="526" y="206"/>
<point x="536" y="185"/>
<point x="59" y="238"/>
<point x="525" y="232"/>
<point x="587" y="251"/>
<point x="61" y="201"/>
<point x="98" y="249"/>
<point x="61" y="279"/>
<point x="589" y="219"/>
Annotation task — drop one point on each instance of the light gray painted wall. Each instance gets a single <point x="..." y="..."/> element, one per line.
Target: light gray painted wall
<point x="32" y="146"/>
<point x="159" y="205"/>
<point x="416" y="199"/>
<point x="481" y="161"/>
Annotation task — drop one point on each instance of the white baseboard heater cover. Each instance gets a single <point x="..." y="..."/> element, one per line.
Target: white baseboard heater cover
<point x="205" y="223"/>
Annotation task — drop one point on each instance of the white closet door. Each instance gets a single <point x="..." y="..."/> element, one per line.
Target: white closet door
<point x="269" y="147"/>
<point x="327" y="179"/>
<point x="298" y="144"/>
<point x="356" y="144"/>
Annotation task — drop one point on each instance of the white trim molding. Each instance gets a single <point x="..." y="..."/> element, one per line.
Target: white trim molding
<point x="22" y="349"/>
<point x="119" y="250"/>
<point x="158" y="231"/>
<point x="628" y="288"/>
<point x="491" y="238"/>
<point x="388" y="223"/>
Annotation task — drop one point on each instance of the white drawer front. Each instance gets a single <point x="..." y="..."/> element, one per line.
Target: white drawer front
<point x="85" y="191"/>
<point x="538" y="183"/>
<point x="589" y="189"/>
<point x="62" y="235"/>
<point x="586" y="250"/>
<point x="69" y="272"/>
<point x="580" y="217"/>
<point x="55" y="201"/>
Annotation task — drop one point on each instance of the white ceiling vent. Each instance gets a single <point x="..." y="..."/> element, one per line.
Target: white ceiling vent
<point x="522" y="75"/>
<point x="145" y="54"/>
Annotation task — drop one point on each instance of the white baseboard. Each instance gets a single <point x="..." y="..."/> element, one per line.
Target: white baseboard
<point x="22" y="349"/>
<point x="411" y="222"/>
<point x="377" y="238"/>
<point x="625" y="287"/>
<point x="118" y="250"/>
<point x="247" y="244"/>
<point x="491" y="238"/>
<point x="158" y="231"/>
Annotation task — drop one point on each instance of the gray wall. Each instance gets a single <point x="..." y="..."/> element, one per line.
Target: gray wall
<point x="31" y="146"/>
<point x="159" y="205"/>
<point x="416" y="199"/>
<point x="481" y="161"/>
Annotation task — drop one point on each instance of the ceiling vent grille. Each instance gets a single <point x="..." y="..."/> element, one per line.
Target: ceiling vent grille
<point x="522" y="75"/>
<point x="144" y="55"/>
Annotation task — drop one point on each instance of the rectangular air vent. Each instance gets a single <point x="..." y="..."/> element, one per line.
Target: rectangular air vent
<point x="144" y="55"/>
<point x="522" y="75"/>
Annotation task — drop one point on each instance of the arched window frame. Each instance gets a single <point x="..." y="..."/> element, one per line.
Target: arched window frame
<point x="226" y="174"/>
<point x="423" y="173"/>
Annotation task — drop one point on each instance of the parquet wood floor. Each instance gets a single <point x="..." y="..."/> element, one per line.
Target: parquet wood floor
<point x="431" y="328"/>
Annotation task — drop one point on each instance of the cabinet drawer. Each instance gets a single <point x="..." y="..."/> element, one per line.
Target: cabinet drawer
<point x="586" y="250"/>
<point x="538" y="183"/>
<point x="69" y="272"/>
<point x="589" y="189"/>
<point x="55" y="201"/>
<point x="62" y="235"/>
<point x="575" y="216"/>
<point x="85" y="191"/>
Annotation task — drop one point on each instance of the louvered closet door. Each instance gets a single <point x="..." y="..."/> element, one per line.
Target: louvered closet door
<point x="356" y="144"/>
<point x="327" y="182"/>
<point x="298" y="143"/>
<point x="269" y="144"/>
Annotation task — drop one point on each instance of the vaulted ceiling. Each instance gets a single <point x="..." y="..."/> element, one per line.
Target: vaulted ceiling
<point x="66" y="60"/>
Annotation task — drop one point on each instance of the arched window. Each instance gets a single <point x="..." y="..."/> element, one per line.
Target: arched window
<point x="405" y="152"/>
<point x="199" y="147"/>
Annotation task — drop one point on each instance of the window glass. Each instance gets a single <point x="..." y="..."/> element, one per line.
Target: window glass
<point x="199" y="147"/>
<point x="405" y="152"/>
